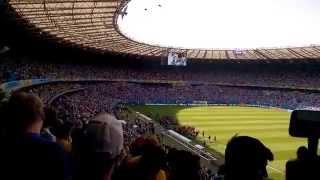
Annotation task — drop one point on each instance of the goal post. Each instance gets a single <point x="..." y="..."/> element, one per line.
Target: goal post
<point x="203" y="103"/>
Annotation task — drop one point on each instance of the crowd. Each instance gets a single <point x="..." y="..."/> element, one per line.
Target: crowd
<point x="37" y="145"/>
<point x="102" y="96"/>
<point x="78" y="109"/>
<point x="46" y="92"/>
<point x="87" y="134"/>
<point x="82" y="105"/>
<point x="188" y="131"/>
<point x="91" y="98"/>
<point x="253" y="75"/>
<point x="170" y="122"/>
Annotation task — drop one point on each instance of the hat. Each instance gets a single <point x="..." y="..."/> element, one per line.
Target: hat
<point x="105" y="135"/>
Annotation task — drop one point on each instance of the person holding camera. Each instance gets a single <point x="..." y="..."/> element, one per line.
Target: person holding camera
<point x="305" y="124"/>
<point x="304" y="167"/>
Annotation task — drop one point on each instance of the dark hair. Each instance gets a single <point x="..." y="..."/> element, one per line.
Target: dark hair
<point x="302" y="153"/>
<point x="153" y="156"/>
<point x="139" y="145"/>
<point x="22" y="110"/>
<point x="63" y="131"/>
<point x="246" y="158"/>
<point x="51" y="118"/>
<point x="183" y="165"/>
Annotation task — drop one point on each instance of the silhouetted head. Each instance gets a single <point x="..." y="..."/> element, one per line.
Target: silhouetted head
<point x="63" y="131"/>
<point x="139" y="145"/>
<point x="153" y="157"/>
<point x="183" y="165"/>
<point x="51" y="118"/>
<point x="246" y="158"/>
<point x="302" y="153"/>
<point x="23" y="111"/>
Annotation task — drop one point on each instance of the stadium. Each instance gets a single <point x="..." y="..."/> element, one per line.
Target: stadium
<point x="81" y="58"/>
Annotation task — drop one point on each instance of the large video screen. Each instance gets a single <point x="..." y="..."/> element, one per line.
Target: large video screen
<point x="177" y="59"/>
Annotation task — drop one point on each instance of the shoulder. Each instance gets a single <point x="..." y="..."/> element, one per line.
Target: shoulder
<point x="48" y="147"/>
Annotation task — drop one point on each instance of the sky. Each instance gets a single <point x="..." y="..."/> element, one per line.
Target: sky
<point x="223" y="24"/>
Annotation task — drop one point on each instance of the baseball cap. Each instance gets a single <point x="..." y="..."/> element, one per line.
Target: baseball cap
<point x="105" y="135"/>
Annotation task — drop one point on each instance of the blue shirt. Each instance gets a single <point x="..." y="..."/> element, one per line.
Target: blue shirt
<point x="32" y="157"/>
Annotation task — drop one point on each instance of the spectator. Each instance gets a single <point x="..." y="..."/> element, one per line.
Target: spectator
<point x="304" y="167"/>
<point x="25" y="154"/>
<point x="63" y="136"/>
<point x="272" y="75"/>
<point x="102" y="143"/>
<point x="50" y="121"/>
<point x="140" y="145"/>
<point x="183" y="165"/>
<point x="147" y="163"/>
<point x="246" y="158"/>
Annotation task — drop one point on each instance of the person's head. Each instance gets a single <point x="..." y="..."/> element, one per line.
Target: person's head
<point x="63" y="131"/>
<point x="24" y="113"/>
<point x="51" y="118"/>
<point x="246" y="158"/>
<point x="183" y="165"/>
<point x="102" y="143"/>
<point x="302" y="153"/>
<point x="153" y="155"/>
<point x="139" y="145"/>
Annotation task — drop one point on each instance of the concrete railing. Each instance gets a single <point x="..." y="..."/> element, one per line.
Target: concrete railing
<point x="172" y="140"/>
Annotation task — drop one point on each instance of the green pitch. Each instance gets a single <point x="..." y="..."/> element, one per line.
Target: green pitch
<point x="223" y="122"/>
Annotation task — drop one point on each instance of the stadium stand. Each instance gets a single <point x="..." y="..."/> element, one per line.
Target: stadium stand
<point x="301" y="75"/>
<point x="82" y="126"/>
<point x="79" y="92"/>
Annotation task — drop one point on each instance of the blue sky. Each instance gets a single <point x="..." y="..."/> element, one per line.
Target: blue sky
<point x="223" y="24"/>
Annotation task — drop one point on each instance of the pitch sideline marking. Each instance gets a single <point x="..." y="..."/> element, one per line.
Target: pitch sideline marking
<point x="275" y="169"/>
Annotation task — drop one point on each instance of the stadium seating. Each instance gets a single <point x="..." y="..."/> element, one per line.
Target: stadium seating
<point x="83" y="91"/>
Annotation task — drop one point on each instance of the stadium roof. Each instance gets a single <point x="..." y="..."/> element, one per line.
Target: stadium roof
<point x="92" y="24"/>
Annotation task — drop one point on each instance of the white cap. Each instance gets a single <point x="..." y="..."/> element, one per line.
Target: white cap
<point x="105" y="134"/>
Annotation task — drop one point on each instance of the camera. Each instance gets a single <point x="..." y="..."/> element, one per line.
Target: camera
<point x="305" y="123"/>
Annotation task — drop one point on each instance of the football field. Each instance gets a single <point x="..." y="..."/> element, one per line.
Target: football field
<point x="267" y="124"/>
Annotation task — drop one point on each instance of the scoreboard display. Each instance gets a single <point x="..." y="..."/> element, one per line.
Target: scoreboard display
<point x="176" y="58"/>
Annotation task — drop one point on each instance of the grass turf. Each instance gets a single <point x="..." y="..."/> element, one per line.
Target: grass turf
<point x="268" y="125"/>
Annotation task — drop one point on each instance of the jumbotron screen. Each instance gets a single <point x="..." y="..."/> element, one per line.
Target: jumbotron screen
<point x="177" y="59"/>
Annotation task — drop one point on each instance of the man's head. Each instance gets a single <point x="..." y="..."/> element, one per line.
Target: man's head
<point x="246" y="157"/>
<point x="302" y="153"/>
<point x="51" y="118"/>
<point x="184" y="165"/>
<point x="63" y="131"/>
<point x="23" y="111"/>
<point x="139" y="145"/>
<point x="105" y="134"/>
<point x="102" y="143"/>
